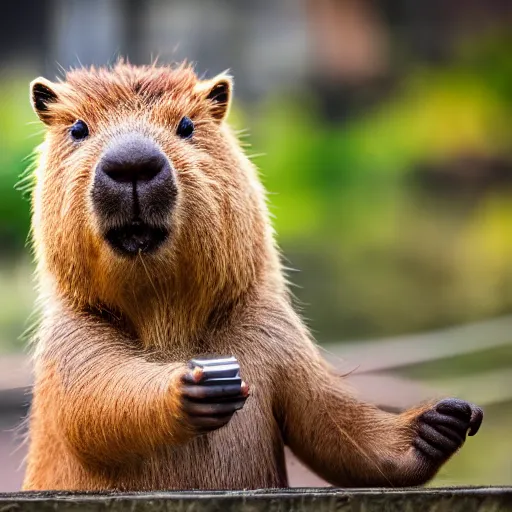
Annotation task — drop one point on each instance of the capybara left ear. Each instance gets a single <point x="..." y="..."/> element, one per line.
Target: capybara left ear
<point x="218" y="92"/>
<point x="42" y="95"/>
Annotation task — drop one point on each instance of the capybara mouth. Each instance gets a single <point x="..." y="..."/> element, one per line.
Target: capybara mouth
<point x="136" y="237"/>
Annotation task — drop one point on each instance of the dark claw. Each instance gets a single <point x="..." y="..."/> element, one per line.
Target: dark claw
<point x="476" y="421"/>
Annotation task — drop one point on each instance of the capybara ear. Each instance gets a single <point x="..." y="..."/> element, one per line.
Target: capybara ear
<point x="218" y="92"/>
<point x="42" y="95"/>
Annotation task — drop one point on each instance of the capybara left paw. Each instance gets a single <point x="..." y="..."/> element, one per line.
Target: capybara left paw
<point x="212" y="392"/>
<point x="442" y="430"/>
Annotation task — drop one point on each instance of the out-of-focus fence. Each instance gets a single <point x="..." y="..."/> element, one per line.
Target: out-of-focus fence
<point x="379" y="361"/>
<point x="373" y="368"/>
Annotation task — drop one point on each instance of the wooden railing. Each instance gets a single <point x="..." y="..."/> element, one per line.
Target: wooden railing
<point x="279" y="500"/>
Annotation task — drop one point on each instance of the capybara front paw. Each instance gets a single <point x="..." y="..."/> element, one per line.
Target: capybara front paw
<point x="212" y="391"/>
<point x="442" y="430"/>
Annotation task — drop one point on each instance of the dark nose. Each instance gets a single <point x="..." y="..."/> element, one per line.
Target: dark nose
<point x="134" y="159"/>
<point x="134" y="180"/>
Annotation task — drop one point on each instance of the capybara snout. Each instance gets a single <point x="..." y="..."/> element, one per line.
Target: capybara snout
<point x="133" y="193"/>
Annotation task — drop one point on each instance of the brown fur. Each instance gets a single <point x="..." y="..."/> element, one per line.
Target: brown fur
<point x="116" y="333"/>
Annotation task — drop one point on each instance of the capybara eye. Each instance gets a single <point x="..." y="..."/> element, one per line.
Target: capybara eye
<point x="185" y="128"/>
<point x="79" y="130"/>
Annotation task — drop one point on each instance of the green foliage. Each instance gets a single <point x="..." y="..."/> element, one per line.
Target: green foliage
<point x="434" y="116"/>
<point x="377" y="257"/>
<point x="17" y="140"/>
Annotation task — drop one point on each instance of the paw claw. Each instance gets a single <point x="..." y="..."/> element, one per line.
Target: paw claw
<point x="476" y="420"/>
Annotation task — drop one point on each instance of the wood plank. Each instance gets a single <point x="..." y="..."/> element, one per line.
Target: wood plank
<point x="478" y="499"/>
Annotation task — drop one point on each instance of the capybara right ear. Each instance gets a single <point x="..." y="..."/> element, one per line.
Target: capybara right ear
<point x="217" y="92"/>
<point x="42" y="95"/>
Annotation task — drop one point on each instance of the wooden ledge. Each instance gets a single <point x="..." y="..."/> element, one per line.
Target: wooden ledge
<point x="468" y="499"/>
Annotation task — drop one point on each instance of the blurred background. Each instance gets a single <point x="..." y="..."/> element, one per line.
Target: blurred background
<point x="382" y="130"/>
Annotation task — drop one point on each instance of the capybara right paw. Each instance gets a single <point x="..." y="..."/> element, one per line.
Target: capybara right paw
<point x="442" y="430"/>
<point x="212" y="391"/>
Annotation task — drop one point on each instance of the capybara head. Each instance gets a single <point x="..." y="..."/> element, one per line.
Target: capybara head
<point x="140" y="181"/>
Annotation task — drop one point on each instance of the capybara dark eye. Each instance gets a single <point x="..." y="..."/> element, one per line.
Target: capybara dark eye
<point x="185" y="128"/>
<point x="79" y="130"/>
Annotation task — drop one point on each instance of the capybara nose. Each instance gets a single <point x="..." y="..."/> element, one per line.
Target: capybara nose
<point x="134" y="179"/>
<point x="133" y="159"/>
